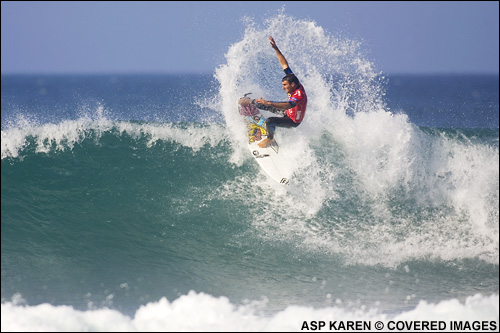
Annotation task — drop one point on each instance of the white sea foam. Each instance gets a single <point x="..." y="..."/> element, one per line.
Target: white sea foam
<point x="203" y="312"/>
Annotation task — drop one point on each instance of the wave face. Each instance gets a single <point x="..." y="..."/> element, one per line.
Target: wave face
<point x="113" y="202"/>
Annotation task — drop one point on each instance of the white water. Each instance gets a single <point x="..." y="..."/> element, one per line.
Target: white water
<point x="202" y="312"/>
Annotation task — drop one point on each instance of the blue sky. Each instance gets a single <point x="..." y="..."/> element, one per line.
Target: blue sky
<point x="173" y="37"/>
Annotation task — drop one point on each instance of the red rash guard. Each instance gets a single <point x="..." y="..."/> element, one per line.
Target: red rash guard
<point x="299" y="102"/>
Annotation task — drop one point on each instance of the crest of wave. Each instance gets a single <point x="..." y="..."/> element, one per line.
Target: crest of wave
<point x="338" y="80"/>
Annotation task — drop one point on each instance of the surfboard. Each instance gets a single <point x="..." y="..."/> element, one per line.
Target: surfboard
<point x="269" y="159"/>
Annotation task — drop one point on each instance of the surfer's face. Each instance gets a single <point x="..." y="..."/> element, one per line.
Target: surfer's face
<point x="288" y="87"/>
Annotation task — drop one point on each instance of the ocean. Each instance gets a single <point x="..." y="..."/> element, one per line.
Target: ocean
<point x="131" y="202"/>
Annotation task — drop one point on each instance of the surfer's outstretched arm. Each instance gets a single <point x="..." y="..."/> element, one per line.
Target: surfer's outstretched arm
<point x="269" y="106"/>
<point x="281" y="58"/>
<point x="275" y="107"/>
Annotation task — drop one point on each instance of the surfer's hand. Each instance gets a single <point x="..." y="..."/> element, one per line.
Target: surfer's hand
<point x="273" y="43"/>
<point x="262" y="101"/>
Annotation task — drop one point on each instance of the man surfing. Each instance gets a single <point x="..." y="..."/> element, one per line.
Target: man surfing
<point x="293" y="110"/>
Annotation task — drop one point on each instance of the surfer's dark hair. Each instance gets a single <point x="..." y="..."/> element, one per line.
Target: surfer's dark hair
<point x="291" y="78"/>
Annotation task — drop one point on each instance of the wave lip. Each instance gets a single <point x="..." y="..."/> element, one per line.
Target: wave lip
<point x="62" y="136"/>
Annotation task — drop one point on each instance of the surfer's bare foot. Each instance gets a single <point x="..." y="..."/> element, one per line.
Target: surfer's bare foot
<point x="266" y="143"/>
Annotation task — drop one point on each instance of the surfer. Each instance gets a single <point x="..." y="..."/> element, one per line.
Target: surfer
<point x="293" y="110"/>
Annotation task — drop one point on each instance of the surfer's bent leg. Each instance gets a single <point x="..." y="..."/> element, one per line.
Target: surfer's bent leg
<point x="272" y="122"/>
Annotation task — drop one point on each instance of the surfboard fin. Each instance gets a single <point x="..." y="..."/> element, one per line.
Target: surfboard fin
<point x="274" y="146"/>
